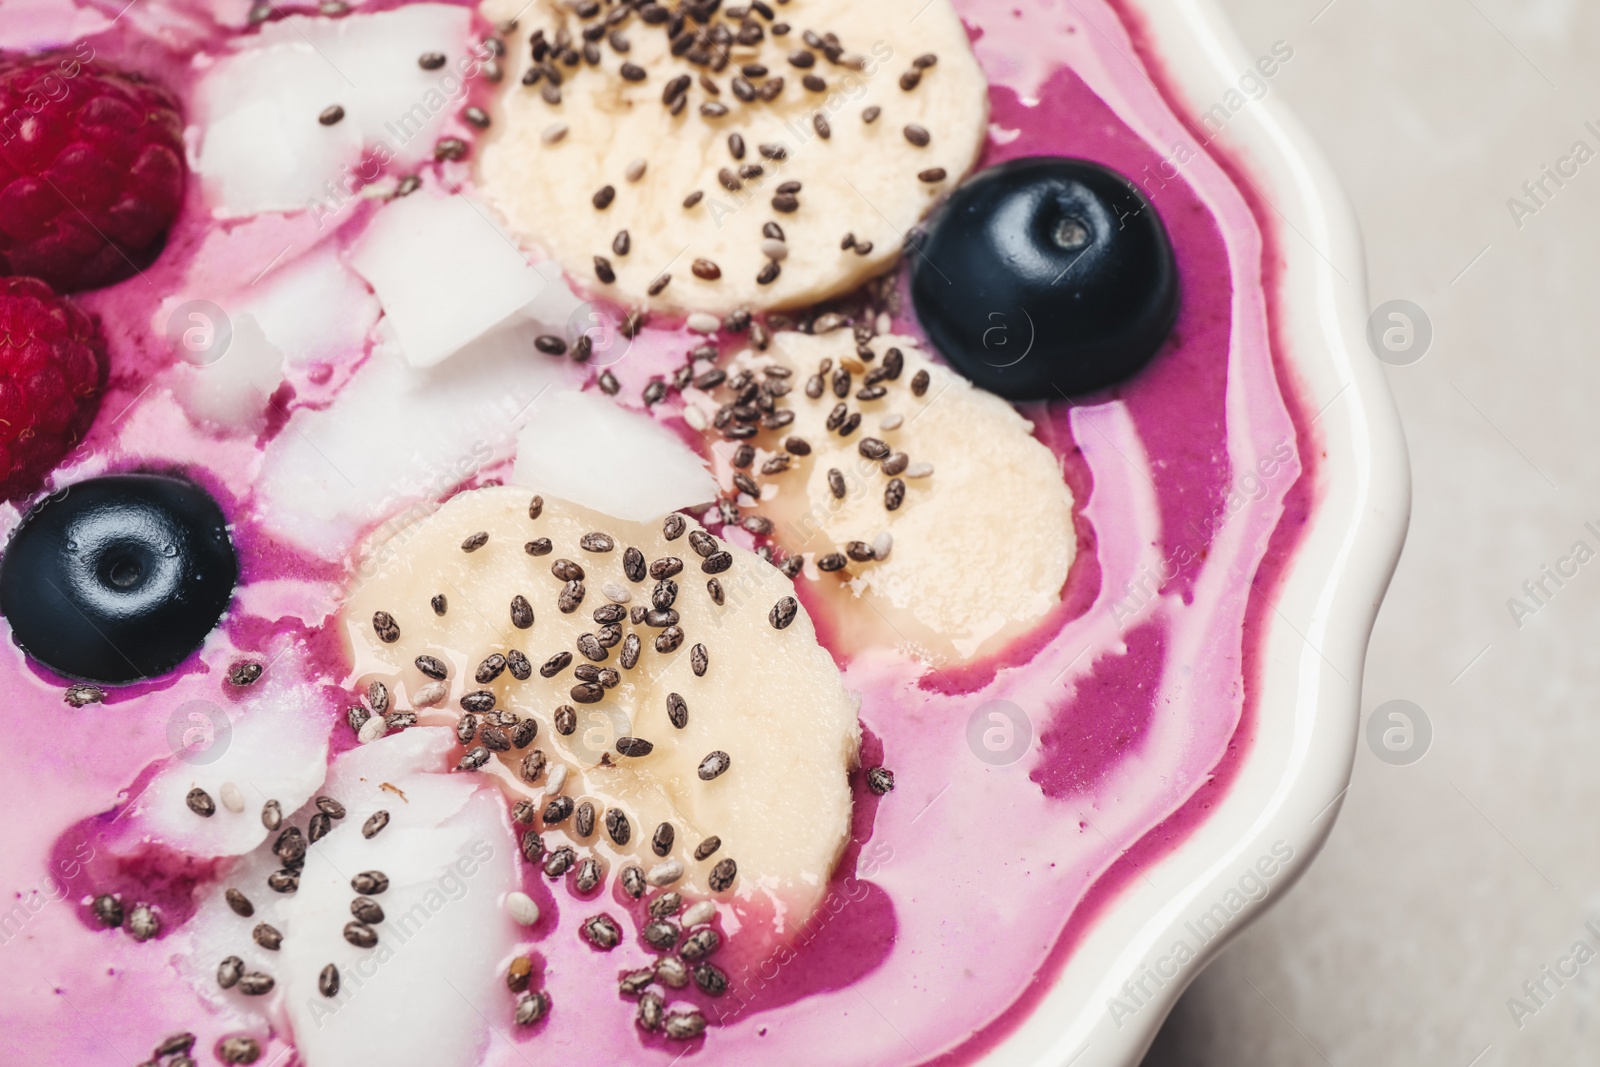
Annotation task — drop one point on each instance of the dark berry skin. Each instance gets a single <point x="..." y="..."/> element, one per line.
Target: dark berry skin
<point x="1045" y="278"/>
<point x="118" y="578"/>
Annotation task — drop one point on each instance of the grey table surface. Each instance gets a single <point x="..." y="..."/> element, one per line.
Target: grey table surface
<point x="1442" y="923"/>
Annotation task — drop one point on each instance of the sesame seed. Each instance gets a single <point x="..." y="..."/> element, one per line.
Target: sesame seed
<point x="387" y="629"/>
<point x="367" y="910"/>
<point x="919" y="383"/>
<point x="521" y="612"/>
<point x="531" y="1007"/>
<point x="713" y="109"/>
<point x="782" y="614"/>
<point x="664" y="874"/>
<point x="815" y="83"/>
<point x="711" y="979"/>
<point x="830" y="562"/>
<point x="802" y="59"/>
<point x="769" y="273"/>
<point x="452" y="148"/>
<point x="668" y="640"/>
<point x="870" y="115"/>
<point x="722" y="876"/>
<point x="917" y="135"/>
<point x="896" y="463"/>
<point x="932" y="174"/>
<point x="609" y="384"/>
<point x="476" y="116"/>
<point x="83" y="694"/>
<point x="200" y="802"/>
<point x="603" y="270"/>
<point x="519" y="666"/>
<point x="256" y="984"/>
<point x="882" y="544"/>
<point x="919" y="470"/>
<point x="331" y="115"/>
<point x="603" y="198"/>
<point x="880" y="780"/>
<point x="632" y="72"/>
<point x="715" y="764"/>
<point x="924" y="61"/>
<point x="773" y="151"/>
<point x="635" y="170"/>
<point x="863" y="248"/>
<point x="684" y="1025"/>
<point x="617" y="826"/>
<point x="860" y="551"/>
<point x="659" y="284"/>
<point x="819" y="123"/>
<point x="602" y="932"/>
<point x="677" y="710"/>
<point x="704" y="941"/>
<point x="706" y="270"/>
<point x="431" y="60"/>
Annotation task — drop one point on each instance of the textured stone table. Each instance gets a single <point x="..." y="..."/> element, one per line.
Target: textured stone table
<point x="1449" y="883"/>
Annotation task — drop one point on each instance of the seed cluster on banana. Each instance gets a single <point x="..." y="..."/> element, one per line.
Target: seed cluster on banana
<point x="710" y="157"/>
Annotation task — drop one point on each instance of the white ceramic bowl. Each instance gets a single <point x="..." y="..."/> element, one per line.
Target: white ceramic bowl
<point x="1288" y="789"/>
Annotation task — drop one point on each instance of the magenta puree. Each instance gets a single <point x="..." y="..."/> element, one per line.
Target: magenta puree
<point x="965" y="889"/>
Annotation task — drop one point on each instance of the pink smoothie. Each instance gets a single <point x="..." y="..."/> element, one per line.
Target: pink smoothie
<point x="1029" y="787"/>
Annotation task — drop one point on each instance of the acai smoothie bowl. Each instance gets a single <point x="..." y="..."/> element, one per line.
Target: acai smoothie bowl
<point x="613" y="531"/>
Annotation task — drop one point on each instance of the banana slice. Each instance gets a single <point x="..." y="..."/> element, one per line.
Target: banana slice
<point x="908" y="488"/>
<point x="720" y="717"/>
<point x="710" y="158"/>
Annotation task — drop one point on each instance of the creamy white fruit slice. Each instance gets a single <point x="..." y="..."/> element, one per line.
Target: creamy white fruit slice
<point x="726" y="720"/>
<point x="763" y="162"/>
<point x="936" y="504"/>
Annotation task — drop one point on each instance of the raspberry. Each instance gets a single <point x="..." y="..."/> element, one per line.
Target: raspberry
<point x="91" y="170"/>
<point x="52" y="372"/>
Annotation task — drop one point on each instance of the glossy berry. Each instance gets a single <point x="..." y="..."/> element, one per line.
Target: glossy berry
<point x="1046" y="277"/>
<point x="118" y="578"/>
<point x="91" y="170"/>
<point x="52" y="372"/>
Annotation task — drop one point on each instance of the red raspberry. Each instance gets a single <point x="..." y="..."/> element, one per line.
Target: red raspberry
<point x="91" y="170"/>
<point x="52" y="372"/>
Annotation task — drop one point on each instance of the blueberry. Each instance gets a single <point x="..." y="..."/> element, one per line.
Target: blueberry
<point x="1046" y="277"/>
<point x="118" y="578"/>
